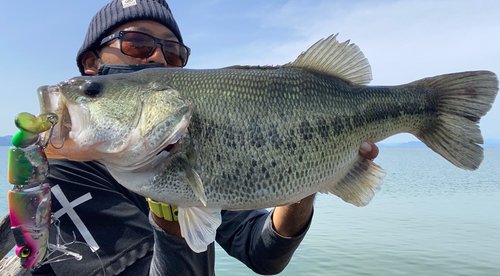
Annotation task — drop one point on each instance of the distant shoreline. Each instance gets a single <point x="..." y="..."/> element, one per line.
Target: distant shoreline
<point x="6" y="140"/>
<point x="488" y="143"/>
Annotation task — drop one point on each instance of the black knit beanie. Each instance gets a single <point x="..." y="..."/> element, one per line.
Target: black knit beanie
<point x="118" y="12"/>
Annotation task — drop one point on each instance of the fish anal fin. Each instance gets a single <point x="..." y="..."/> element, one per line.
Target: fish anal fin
<point x="344" y="60"/>
<point x="199" y="226"/>
<point x="360" y="182"/>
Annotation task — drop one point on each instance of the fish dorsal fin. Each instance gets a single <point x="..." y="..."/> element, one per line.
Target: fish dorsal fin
<point x="342" y="60"/>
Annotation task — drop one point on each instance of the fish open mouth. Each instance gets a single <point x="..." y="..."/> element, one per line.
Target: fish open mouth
<point x="170" y="147"/>
<point x="173" y="144"/>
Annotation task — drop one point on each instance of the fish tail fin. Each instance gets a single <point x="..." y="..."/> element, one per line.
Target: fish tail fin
<point x="461" y="100"/>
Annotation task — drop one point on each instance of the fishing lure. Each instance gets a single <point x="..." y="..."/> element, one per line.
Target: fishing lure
<point x="30" y="198"/>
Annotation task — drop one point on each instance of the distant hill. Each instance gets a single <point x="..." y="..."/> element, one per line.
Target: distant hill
<point x="488" y="143"/>
<point x="411" y="144"/>
<point x="6" y="140"/>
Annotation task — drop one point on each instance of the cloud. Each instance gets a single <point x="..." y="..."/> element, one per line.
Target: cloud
<point x="403" y="40"/>
<point x="414" y="35"/>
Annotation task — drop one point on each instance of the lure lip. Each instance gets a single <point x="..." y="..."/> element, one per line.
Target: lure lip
<point x="52" y="101"/>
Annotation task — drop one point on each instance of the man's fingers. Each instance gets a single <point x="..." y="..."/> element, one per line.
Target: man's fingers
<point x="368" y="150"/>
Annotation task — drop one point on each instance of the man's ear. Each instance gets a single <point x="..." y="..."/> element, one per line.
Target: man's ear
<point x="90" y="63"/>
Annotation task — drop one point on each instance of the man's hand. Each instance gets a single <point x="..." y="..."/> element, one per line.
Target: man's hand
<point x="368" y="150"/>
<point x="291" y="220"/>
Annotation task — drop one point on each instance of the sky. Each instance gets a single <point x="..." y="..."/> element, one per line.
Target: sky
<point x="403" y="40"/>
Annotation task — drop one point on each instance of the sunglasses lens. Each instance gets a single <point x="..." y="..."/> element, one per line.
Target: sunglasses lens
<point x="137" y="45"/>
<point x="141" y="45"/>
<point x="175" y="54"/>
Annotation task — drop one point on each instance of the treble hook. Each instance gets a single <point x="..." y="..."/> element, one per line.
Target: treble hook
<point x="60" y="147"/>
<point x="53" y="119"/>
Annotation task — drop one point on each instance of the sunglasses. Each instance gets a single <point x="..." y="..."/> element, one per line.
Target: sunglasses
<point x="142" y="45"/>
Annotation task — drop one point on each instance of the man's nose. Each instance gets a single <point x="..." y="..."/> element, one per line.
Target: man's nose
<point x="157" y="56"/>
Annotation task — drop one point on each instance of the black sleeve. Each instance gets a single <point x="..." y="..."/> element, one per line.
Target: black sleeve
<point x="117" y="222"/>
<point x="111" y="217"/>
<point x="249" y="236"/>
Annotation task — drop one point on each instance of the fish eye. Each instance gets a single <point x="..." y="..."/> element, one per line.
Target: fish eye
<point x="92" y="89"/>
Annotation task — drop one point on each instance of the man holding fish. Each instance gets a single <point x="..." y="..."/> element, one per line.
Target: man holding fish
<point x="110" y="222"/>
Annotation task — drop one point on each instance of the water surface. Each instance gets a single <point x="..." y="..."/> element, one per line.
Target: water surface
<point x="430" y="218"/>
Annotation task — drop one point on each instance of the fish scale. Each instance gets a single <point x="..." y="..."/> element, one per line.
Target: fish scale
<point x="292" y="143"/>
<point x="248" y="137"/>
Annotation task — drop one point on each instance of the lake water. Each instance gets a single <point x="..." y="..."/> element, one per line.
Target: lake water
<point x="430" y="218"/>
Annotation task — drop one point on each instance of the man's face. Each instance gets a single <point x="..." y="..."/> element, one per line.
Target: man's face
<point x="110" y="53"/>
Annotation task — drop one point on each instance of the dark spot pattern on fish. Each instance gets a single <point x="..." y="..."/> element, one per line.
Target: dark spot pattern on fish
<point x="273" y="136"/>
<point x="395" y="108"/>
<point x="256" y="133"/>
<point x="195" y="131"/>
<point x="210" y="131"/>
<point x="276" y="142"/>
<point x="337" y="126"/>
<point x="306" y="130"/>
<point x="229" y="135"/>
<point x="323" y="127"/>
<point x="290" y="144"/>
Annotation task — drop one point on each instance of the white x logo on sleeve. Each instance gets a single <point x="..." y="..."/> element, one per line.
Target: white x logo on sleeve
<point x="67" y="208"/>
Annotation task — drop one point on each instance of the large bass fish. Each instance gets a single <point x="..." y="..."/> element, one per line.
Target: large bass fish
<point x="255" y="137"/>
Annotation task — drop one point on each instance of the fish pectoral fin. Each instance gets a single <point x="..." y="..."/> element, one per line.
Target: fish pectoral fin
<point x="194" y="180"/>
<point x="359" y="183"/>
<point x="199" y="226"/>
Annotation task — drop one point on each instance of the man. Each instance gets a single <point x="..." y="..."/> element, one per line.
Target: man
<point x="110" y="223"/>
